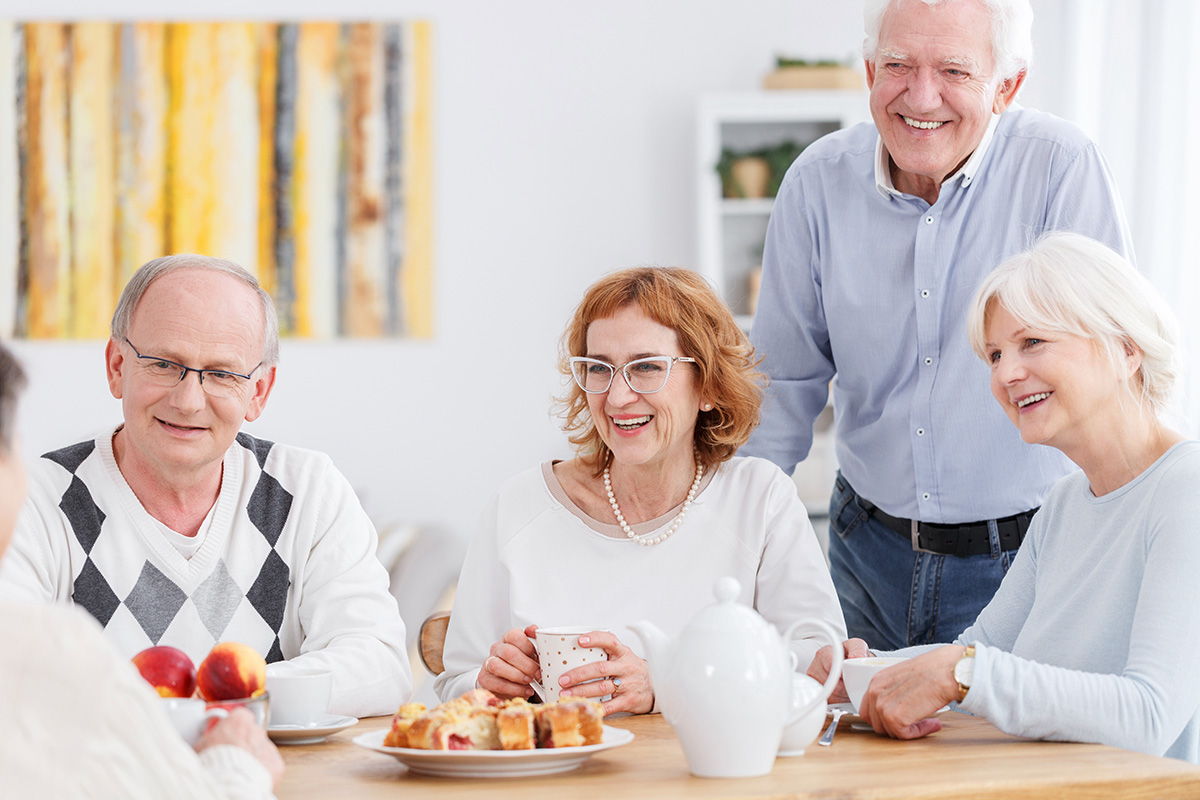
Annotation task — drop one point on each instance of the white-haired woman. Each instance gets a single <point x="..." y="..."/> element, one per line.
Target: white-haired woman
<point x="1094" y="635"/>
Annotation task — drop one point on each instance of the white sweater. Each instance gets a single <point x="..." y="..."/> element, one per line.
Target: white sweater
<point x="79" y="721"/>
<point x="1094" y="634"/>
<point x="287" y="566"/>
<point x="538" y="559"/>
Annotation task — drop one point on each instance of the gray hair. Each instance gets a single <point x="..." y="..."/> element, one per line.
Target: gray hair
<point x="12" y="381"/>
<point x="1012" y="31"/>
<point x="1075" y="285"/>
<point x="153" y="270"/>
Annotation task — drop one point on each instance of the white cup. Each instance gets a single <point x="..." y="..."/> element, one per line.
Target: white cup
<point x="190" y="716"/>
<point x="858" y="672"/>
<point x="299" y="696"/>
<point x="559" y="652"/>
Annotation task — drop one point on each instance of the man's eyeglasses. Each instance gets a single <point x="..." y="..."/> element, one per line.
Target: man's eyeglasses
<point x="215" y="382"/>
<point x="644" y="375"/>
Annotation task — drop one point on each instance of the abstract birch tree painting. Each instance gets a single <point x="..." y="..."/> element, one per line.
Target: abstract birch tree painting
<point x="302" y="151"/>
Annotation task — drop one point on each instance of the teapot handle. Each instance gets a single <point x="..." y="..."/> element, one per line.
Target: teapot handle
<point x="835" y="669"/>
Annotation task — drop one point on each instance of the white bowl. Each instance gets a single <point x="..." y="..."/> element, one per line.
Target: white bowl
<point x="857" y="674"/>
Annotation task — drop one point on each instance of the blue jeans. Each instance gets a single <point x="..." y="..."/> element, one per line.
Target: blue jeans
<point x="893" y="596"/>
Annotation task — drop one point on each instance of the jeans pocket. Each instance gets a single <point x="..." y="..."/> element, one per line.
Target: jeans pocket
<point x="846" y="514"/>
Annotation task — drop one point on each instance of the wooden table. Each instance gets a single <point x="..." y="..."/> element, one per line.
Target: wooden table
<point x="969" y="758"/>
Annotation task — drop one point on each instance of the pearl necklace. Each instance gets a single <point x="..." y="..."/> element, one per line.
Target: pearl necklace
<point x="647" y="541"/>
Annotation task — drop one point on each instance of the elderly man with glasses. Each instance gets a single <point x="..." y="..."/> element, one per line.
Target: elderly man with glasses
<point x="175" y="528"/>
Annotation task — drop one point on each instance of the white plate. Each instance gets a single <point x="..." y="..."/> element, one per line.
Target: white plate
<point x="493" y="763"/>
<point x="310" y="734"/>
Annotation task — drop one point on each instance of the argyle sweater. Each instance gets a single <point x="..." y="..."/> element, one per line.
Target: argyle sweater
<point x="287" y="566"/>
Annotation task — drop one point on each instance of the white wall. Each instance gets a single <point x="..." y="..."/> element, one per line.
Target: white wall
<point x="565" y="145"/>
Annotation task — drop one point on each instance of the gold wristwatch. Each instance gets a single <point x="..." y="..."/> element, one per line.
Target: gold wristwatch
<point x="964" y="671"/>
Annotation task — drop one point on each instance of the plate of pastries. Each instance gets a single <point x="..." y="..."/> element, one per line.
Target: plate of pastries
<point x="478" y="735"/>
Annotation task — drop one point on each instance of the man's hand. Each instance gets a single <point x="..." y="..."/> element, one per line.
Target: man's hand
<point x="819" y="668"/>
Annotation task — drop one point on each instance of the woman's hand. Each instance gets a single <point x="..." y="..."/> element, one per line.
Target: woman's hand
<point x="511" y="664"/>
<point x="623" y="675"/>
<point x="902" y="699"/>
<point x="240" y="730"/>
<point x="819" y="668"/>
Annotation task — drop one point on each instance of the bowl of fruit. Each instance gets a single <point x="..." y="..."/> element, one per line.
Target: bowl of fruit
<point x="231" y="675"/>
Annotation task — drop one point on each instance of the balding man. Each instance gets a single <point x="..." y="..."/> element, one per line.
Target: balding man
<point x="175" y="528"/>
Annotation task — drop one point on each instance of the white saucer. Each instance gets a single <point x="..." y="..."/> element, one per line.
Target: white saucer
<point x="310" y="734"/>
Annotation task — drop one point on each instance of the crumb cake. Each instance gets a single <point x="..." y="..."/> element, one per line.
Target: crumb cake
<point x="478" y="720"/>
<point x="402" y="720"/>
<point x="515" y="725"/>
<point x="571" y="722"/>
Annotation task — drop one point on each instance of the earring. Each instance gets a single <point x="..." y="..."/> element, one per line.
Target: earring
<point x="708" y="406"/>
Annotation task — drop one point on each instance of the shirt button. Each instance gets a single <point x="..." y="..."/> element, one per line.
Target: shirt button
<point x="925" y="496"/>
<point x="928" y="361"/>
<point x="924" y="293"/>
<point x="920" y="431"/>
<point x="929" y="220"/>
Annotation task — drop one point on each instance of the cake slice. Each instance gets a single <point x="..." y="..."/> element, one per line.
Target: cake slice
<point x="514" y="723"/>
<point x="570" y="722"/>
<point x="422" y="730"/>
<point x="402" y="720"/>
<point x="472" y="730"/>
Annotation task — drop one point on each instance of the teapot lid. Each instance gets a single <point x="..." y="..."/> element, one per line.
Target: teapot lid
<point x="727" y="614"/>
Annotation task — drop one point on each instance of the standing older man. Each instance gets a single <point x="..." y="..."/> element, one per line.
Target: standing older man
<point x="176" y="529"/>
<point x="878" y="239"/>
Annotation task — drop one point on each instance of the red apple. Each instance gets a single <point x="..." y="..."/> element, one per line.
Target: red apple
<point x="168" y="670"/>
<point x="230" y="671"/>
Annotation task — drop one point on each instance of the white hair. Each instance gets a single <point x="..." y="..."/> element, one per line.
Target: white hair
<point x="1012" y="31"/>
<point x="1071" y="284"/>
<point x="153" y="270"/>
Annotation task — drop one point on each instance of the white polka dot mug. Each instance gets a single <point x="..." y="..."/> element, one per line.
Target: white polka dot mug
<point x="559" y="652"/>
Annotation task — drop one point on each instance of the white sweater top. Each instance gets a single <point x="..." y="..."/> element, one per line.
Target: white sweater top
<point x="539" y="559"/>
<point x="287" y="566"/>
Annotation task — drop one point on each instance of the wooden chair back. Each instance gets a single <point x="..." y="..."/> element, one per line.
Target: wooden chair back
<point x="433" y="639"/>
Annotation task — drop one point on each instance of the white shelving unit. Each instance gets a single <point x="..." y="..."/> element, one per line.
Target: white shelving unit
<point x="732" y="230"/>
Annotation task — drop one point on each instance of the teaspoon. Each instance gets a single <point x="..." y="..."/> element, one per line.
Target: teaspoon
<point x="827" y="737"/>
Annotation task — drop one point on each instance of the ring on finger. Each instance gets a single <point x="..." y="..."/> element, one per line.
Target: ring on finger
<point x="616" y="682"/>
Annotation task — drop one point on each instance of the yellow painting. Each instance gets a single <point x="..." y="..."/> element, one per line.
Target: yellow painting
<point x="302" y="151"/>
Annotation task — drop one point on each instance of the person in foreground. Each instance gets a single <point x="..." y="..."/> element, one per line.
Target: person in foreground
<point x="175" y="528"/>
<point x="651" y="511"/>
<point x="1094" y="634"/>
<point x="79" y="719"/>
<point x="877" y="240"/>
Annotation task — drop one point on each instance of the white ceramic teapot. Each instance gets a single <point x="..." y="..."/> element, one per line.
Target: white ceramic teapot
<point x="726" y="685"/>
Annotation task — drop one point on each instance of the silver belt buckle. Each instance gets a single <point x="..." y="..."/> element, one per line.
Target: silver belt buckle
<point x="915" y="536"/>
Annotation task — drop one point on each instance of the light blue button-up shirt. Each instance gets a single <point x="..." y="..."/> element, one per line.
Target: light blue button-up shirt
<point x="868" y="287"/>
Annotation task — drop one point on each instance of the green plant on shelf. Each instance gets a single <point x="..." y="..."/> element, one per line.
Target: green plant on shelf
<point x="778" y="158"/>
<point x="784" y="61"/>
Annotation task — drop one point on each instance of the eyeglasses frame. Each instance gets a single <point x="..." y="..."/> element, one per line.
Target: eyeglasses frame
<point x="200" y="373"/>
<point x="673" y="360"/>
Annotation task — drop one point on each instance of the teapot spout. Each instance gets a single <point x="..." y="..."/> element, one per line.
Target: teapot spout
<point x="658" y="649"/>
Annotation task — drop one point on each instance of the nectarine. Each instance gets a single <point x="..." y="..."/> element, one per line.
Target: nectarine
<point x="168" y="670"/>
<point x="230" y="671"/>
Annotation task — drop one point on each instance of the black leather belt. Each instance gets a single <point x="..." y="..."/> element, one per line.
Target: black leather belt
<point x="966" y="539"/>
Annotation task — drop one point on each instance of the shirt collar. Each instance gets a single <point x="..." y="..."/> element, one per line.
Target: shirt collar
<point x="883" y="172"/>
